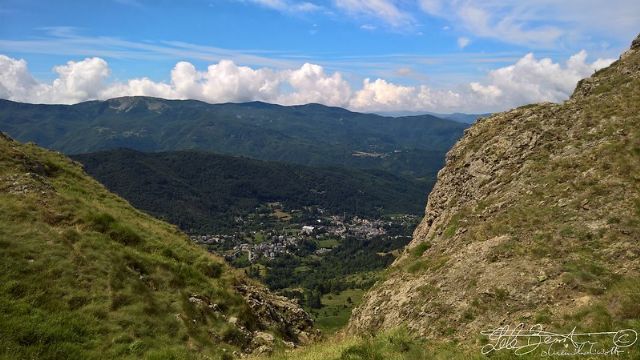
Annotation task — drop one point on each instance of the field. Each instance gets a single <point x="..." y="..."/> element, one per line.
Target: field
<point x="336" y="310"/>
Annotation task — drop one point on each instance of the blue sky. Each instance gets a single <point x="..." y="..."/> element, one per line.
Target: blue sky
<point x="426" y="54"/>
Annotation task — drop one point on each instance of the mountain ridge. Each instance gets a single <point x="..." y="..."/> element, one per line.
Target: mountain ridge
<point x="312" y="134"/>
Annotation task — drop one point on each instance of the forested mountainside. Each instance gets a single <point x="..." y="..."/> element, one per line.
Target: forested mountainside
<point x="312" y="134"/>
<point x="203" y="192"/>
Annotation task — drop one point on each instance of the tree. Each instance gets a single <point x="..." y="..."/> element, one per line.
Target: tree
<point x="313" y="300"/>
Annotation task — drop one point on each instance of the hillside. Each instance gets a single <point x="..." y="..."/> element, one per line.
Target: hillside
<point x="87" y="276"/>
<point x="313" y="134"/>
<point x="534" y="219"/>
<point x="204" y="192"/>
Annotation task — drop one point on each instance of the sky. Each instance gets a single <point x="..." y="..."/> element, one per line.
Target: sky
<point x="370" y="56"/>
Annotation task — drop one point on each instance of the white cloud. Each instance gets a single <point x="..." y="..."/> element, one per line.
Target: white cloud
<point x="463" y="42"/>
<point x="15" y="80"/>
<point x="288" y="6"/>
<point x="531" y="80"/>
<point x="540" y="23"/>
<point x="385" y="10"/>
<point x="311" y="84"/>
<point x="76" y="81"/>
<point x="432" y="6"/>
<point x="380" y="95"/>
<point x="526" y="81"/>
<point x="79" y="80"/>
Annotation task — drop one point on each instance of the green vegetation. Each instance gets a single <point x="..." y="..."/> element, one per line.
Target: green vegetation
<point x="313" y="134"/>
<point x="420" y="249"/>
<point x="399" y="344"/>
<point x="86" y="276"/>
<point x="328" y="243"/>
<point x="332" y="285"/>
<point x="432" y="263"/>
<point x="336" y="309"/>
<point x="205" y="193"/>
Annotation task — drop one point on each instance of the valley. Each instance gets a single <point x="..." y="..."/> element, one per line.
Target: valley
<point x="305" y="232"/>
<point x="325" y="262"/>
<point x="319" y="180"/>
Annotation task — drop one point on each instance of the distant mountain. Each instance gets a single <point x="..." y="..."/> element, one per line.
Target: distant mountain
<point x="203" y="192"/>
<point x="463" y="118"/>
<point x="312" y="134"/>
<point x="458" y="117"/>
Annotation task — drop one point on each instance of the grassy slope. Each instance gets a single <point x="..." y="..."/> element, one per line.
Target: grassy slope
<point x="85" y="275"/>
<point x="395" y="344"/>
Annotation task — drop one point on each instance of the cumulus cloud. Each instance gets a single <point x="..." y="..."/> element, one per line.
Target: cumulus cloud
<point x="79" y="80"/>
<point x="381" y="95"/>
<point x="528" y="80"/>
<point x="531" y="80"/>
<point x="311" y="84"/>
<point x="76" y="81"/>
<point x="15" y="80"/>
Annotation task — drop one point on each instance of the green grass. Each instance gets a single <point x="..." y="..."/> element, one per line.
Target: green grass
<point x="328" y="243"/>
<point x="336" y="310"/>
<point x="431" y="263"/>
<point x="400" y="344"/>
<point x="420" y="249"/>
<point x="86" y="276"/>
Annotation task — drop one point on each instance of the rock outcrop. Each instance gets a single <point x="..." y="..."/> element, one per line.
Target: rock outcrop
<point x="535" y="218"/>
<point x="278" y="312"/>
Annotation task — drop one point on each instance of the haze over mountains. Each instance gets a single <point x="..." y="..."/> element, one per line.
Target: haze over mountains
<point x="459" y="117"/>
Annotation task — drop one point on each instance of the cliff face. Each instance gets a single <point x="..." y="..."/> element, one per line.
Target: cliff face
<point x="535" y="218"/>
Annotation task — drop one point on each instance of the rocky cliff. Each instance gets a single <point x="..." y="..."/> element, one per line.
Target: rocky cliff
<point x="535" y="218"/>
